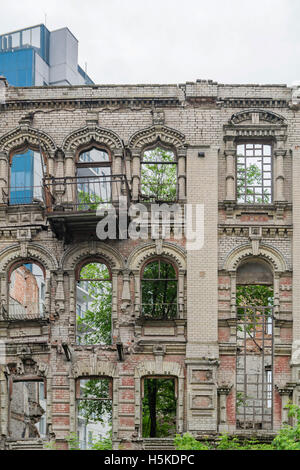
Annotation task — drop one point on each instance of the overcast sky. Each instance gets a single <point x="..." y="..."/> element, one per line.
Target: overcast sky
<point x="173" y="41"/>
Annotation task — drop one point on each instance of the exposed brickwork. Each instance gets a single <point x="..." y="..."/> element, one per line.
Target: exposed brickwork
<point x="199" y="348"/>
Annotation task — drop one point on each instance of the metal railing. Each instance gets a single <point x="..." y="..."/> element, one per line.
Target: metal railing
<point x="23" y="195"/>
<point x="254" y="367"/>
<point x="17" y="311"/>
<point x="84" y="193"/>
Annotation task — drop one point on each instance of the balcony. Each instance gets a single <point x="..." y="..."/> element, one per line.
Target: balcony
<point x="72" y="202"/>
<point x="15" y="311"/>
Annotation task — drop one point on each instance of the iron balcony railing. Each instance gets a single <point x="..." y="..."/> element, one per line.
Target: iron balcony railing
<point x="84" y="193"/>
<point x="30" y="311"/>
<point x="22" y="195"/>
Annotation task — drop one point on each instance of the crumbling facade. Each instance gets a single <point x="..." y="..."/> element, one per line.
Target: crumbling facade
<point x="232" y="371"/>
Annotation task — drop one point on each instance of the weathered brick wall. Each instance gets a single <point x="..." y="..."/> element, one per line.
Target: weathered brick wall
<point x="202" y="344"/>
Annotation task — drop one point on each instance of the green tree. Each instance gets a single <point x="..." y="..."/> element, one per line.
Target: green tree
<point x="95" y="403"/>
<point x="159" y="407"/>
<point x="247" y="179"/>
<point x="94" y="327"/>
<point x="159" y="175"/>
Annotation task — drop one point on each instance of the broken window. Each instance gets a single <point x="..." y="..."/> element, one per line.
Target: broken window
<point x="27" y="292"/>
<point x="159" y="175"/>
<point x="159" y="290"/>
<point x="26" y="177"/>
<point x="159" y="407"/>
<point x="93" y="179"/>
<point x="93" y="304"/>
<point x="254" y="362"/>
<point x="254" y="173"/>
<point x="94" y="410"/>
<point x="27" y="410"/>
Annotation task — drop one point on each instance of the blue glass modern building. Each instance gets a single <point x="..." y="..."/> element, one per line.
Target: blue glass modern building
<point x="35" y="56"/>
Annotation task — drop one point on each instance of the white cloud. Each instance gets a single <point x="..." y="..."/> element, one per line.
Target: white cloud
<point x="173" y="41"/>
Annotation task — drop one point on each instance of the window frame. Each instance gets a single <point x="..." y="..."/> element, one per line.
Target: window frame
<point x="255" y="142"/>
<point x="78" y="269"/>
<point x="159" y="259"/>
<point x="158" y="145"/>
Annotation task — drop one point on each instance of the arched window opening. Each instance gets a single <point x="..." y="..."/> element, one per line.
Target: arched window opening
<point x="94" y="304"/>
<point x="159" y="407"/>
<point x="254" y="364"/>
<point x="26" y="177"/>
<point x="159" y="290"/>
<point x="254" y="173"/>
<point x="93" y="179"/>
<point x="94" y="412"/>
<point x="27" y="409"/>
<point x="159" y="176"/>
<point x="27" y="292"/>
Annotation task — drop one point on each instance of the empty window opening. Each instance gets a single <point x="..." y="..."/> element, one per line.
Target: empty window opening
<point x="254" y="173"/>
<point x="93" y="305"/>
<point x="159" y="407"/>
<point x="254" y="362"/>
<point x="94" y="410"/>
<point x="159" y="175"/>
<point x="93" y="179"/>
<point x="159" y="291"/>
<point x="26" y="178"/>
<point x="27" y="292"/>
<point x="27" y="410"/>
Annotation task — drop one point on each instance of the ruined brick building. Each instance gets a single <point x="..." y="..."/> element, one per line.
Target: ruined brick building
<point x="231" y="370"/>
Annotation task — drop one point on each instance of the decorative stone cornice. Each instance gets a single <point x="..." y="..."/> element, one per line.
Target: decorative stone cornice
<point x="257" y="116"/>
<point x="25" y="135"/>
<point x="265" y="252"/>
<point x="143" y="252"/>
<point x="90" y="134"/>
<point x="157" y="133"/>
<point x="147" y="368"/>
<point x="34" y="251"/>
<point x="85" y="250"/>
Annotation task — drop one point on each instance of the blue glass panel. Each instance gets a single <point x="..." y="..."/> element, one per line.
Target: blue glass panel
<point x="21" y="178"/>
<point x="18" y="67"/>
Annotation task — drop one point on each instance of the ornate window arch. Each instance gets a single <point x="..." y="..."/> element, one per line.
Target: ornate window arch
<point x="19" y="149"/>
<point x="158" y="136"/>
<point x="258" y="136"/>
<point x="92" y="164"/>
<point x="15" y="256"/>
<point x="259" y="251"/>
<point x="172" y="254"/>
<point x="86" y="251"/>
<point x="92" y="136"/>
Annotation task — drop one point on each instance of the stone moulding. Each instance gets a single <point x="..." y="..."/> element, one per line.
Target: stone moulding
<point x="26" y="136"/>
<point x="270" y="254"/>
<point x="143" y="252"/>
<point x="148" y="136"/>
<point x="85" y="250"/>
<point x="267" y="116"/>
<point x="89" y="134"/>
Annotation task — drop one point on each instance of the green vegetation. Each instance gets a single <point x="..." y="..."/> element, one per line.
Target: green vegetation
<point x="247" y="179"/>
<point x="159" y="290"/>
<point x="288" y="438"/>
<point x="159" y="408"/>
<point x="159" y="176"/>
<point x="94" y="326"/>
